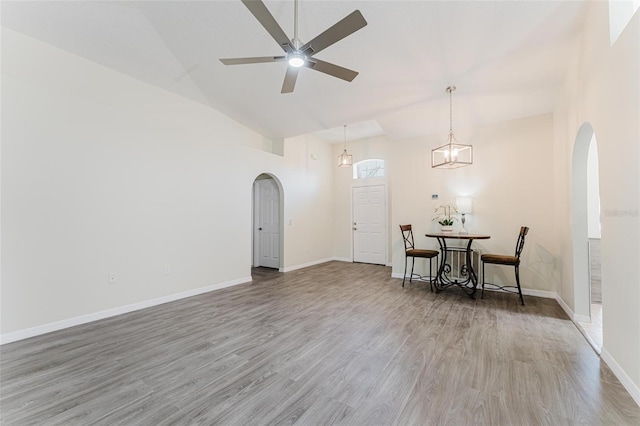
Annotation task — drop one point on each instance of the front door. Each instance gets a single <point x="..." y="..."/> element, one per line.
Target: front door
<point x="369" y="224"/>
<point x="267" y="224"/>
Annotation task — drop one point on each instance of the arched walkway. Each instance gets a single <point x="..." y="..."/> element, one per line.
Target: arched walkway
<point x="580" y="220"/>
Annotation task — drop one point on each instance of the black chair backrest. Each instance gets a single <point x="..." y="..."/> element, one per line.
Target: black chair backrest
<point x="520" y="244"/>
<point x="407" y="236"/>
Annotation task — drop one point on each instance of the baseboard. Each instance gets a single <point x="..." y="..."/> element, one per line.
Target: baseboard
<point x="416" y="277"/>
<point x="566" y="308"/>
<point x="525" y="291"/>
<point x="343" y="259"/>
<point x="539" y="293"/>
<point x="626" y="381"/>
<point x="588" y="338"/>
<point x="574" y="317"/>
<point x="581" y="318"/>
<point x="84" y="319"/>
<point x="306" y="265"/>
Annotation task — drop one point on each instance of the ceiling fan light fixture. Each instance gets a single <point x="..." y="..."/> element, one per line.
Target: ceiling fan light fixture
<point x="296" y="59"/>
<point x="297" y="54"/>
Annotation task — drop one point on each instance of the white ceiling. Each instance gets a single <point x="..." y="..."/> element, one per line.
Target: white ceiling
<point x="507" y="58"/>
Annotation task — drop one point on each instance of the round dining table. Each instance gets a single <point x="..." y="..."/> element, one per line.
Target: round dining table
<point x="469" y="280"/>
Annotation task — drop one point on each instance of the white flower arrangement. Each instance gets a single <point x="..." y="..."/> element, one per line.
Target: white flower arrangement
<point x="446" y="218"/>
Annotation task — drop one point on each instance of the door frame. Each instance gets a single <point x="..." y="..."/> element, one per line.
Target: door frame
<point x="255" y="249"/>
<point x="386" y="218"/>
<point x="579" y="218"/>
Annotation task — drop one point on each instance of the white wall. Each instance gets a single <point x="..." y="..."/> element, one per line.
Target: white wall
<point x="309" y="202"/>
<point x="593" y="191"/>
<point x="510" y="186"/>
<point x="103" y="173"/>
<point x="343" y="183"/>
<point x="602" y="88"/>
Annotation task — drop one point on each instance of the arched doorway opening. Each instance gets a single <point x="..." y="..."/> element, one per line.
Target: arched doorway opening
<point x="267" y="226"/>
<point x="586" y="235"/>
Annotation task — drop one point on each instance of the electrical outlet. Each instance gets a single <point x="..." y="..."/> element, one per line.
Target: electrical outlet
<point x="166" y="269"/>
<point x="113" y="278"/>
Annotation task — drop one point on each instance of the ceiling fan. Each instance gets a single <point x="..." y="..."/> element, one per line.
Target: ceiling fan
<point x="297" y="54"/>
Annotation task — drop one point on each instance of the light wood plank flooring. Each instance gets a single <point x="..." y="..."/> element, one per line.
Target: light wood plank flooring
<point x="337" y="343"/>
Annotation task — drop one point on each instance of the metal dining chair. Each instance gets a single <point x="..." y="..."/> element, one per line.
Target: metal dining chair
<point x="501" y="259"/>
<point x="411" y="252"/>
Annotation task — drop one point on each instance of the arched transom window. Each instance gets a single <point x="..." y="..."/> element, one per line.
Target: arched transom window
<point x="368" y="169"/>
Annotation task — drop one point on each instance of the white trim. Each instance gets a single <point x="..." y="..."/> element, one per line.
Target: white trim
<point x="527" y="292"/>
<point x="539" y="293"/>
<point x="581" y="318"/>
<point x="342" y="259"/>
<point x="84" y="319"/>
<point x="424" y="278"/>
<point x="572" y="315"/>
<point x="591" y="342"/>
<point x="305" y="265"/>
<point x="619" y="372"/>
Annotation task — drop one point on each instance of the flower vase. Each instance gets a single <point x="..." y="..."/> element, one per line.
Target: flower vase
<point x="446" y="228"/>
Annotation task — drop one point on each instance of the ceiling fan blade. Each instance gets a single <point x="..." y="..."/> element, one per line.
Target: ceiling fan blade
<point x="331" y="69"/>
<point x="255" y="60"/>
<point x="262" y="14"/>
<point x="290" y="80"/>
<point x="348" y="25"/>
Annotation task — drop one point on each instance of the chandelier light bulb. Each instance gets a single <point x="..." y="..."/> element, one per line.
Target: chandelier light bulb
<point x="344" y="158"/>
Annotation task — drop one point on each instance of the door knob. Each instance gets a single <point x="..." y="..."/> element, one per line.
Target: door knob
<point x="259" y="229"/>
<point x="355" y="229"/>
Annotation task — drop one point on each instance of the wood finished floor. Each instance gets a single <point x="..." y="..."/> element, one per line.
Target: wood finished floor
<point x="337" y="343"/>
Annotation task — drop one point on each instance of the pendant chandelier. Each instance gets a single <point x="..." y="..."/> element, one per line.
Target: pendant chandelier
<point x="453" y="154"/>
<point x="344" y="159"/>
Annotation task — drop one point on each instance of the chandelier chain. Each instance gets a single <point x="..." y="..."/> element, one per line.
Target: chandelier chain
<point x="345" y="138"/>
<point x="450" y="112"/>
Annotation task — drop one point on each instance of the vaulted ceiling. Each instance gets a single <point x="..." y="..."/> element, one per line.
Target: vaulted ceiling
<point x="507" y="58"/>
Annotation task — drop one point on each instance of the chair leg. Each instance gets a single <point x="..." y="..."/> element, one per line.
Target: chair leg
<point x="482" y="295"/>
<point x="518" y="282"/>
<point x="413" y="263"/>
<point x="405" y="270"/>
<point x="430" y="275"/>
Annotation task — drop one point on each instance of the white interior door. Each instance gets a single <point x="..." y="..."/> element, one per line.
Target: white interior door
<point x="369" y="224"/>
<point x="267" y="224"/>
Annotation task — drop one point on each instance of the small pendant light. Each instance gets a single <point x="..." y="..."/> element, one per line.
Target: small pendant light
<point x="344" y="159"/>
